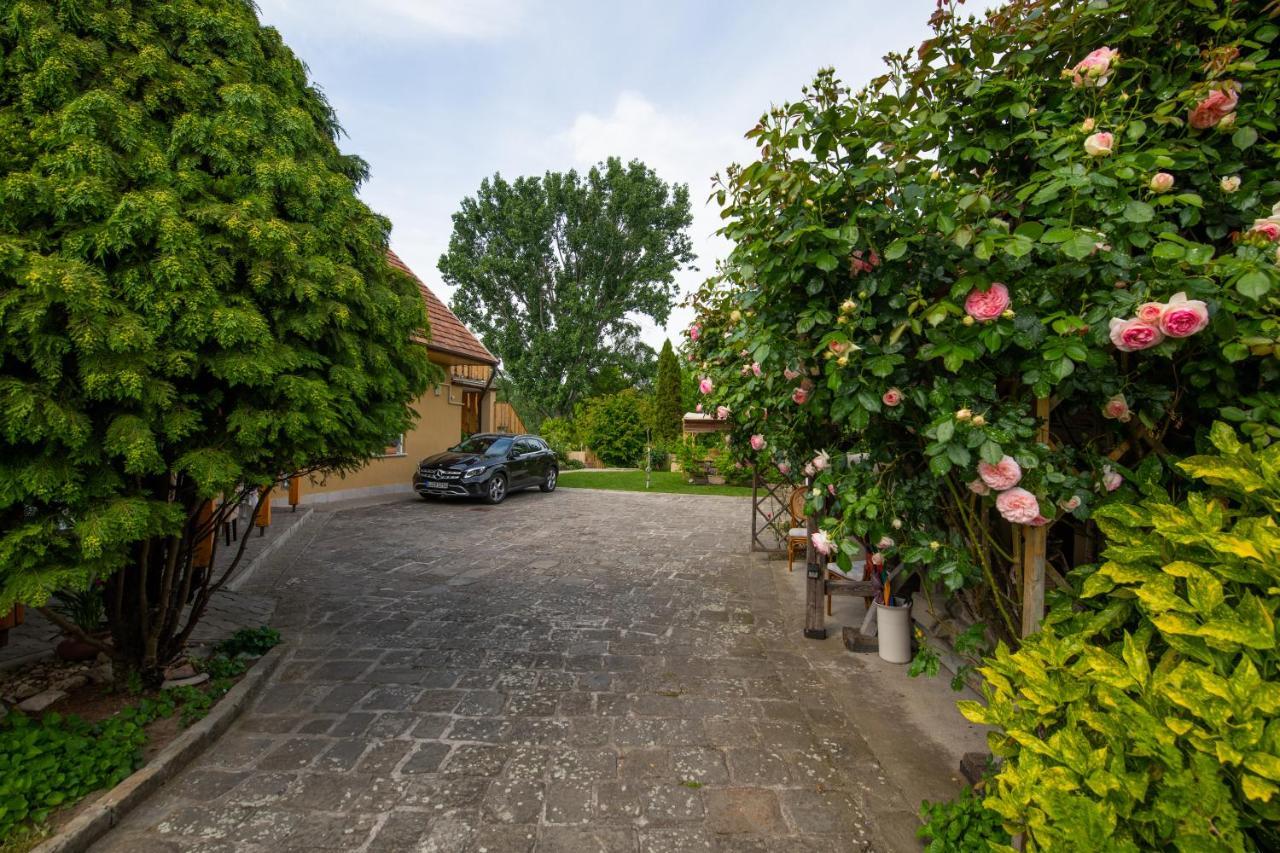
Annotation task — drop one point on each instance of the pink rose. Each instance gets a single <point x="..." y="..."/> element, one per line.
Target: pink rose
<point x="987" y="305"/>
<point x="1111" y="480"/>
<point x="1134" y="335"/>
<point x="1071" y="504"/>
<point x="1149" y="313"/>
<point x="1116" y="408"/>
<point x="1005" y="474"/>
<point x="1183" y="317"/>
<point x="1215" y="107"/>
<point x="698" y="408"/>
<point x="1161" y="182"/>
<point x="809" y="470"/>
<point x="695" y="332"/>
<point x="1268" y="228"/>
<point x="800" y="396"/>
<point x="1018" y="506"/>
<point x="755" y="368"/>
<point x="705" y="385"/>
<point x="1099" y="144"/>
<point x="979" y="488"/>
<point x="877" y="560"/>
<point x="831" y="489"/>
<point x="757" y="442"/>
<point x="1230" y="184"/>
<point x="822" y="543"/>
<point x="892" y="397"/>
<point x="1094" y="69"/>
<point x="784" y="469"/>
<point x="791" y="374"/>
<point x="746" y="368"/>
<point x="1038" y="521"/>
<point x="885" y="543"/>
<point x="722" y="412"/>
<point x="822" y="461"/>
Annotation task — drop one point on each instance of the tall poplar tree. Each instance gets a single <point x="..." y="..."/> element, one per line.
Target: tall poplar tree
<point x="194" y="303"/>
<point x="553" y="271"/>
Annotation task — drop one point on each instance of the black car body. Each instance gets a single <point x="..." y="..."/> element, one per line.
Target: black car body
<point x="489" y="466"/>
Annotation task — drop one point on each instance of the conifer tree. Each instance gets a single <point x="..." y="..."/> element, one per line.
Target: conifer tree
<point x="194" y="304"/>
<point x="668" y="410"/>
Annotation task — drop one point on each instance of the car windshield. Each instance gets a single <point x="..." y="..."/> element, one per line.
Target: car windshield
<point x="485" y="445"/>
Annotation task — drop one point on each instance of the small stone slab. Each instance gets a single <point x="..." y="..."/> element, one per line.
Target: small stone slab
<point x="856" y="641"/>
<point x="37" y="703"/>
<point x="201" y="678"/>
<point x="975" y="765"/>
<point x="175" y="673"/>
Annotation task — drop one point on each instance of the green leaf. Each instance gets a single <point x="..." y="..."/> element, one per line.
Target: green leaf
<point x="945" y="430"/>
<point x="826" y="262"/>
<point x="1244" y="137"/>
<point x="896" y="249"/>
<point x="1139" y="211"/>
<point x="1254" y="285"/>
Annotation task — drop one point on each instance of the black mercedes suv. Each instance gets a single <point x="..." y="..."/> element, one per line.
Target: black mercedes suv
<point x="489" y="466"/>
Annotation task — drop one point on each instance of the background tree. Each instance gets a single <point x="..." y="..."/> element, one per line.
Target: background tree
<point x="552" y="272"/>
<point x="668" y="406"/>
<point x="193" y="301"/>
<point x="615" y="427"/>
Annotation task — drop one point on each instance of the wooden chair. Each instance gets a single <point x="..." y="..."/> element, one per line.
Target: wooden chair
<point x="798" y="535"/>
<point x="857" y="572"/>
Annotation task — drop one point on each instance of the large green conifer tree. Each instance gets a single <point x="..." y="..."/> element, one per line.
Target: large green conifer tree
<point x="668" y="411"/>
<point x="193" y="301"/>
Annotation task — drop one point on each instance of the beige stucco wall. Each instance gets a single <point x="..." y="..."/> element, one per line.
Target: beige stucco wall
<point x="439" y="427"/>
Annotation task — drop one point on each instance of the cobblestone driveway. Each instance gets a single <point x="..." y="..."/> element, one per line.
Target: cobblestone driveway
<point x="574" y="672"/>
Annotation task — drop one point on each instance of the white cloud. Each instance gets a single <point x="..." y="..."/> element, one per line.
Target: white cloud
<point x="464" y="19"/>
<point x="680" y="148"/>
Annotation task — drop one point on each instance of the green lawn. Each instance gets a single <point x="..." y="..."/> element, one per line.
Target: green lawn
<point x="633" y="481"/>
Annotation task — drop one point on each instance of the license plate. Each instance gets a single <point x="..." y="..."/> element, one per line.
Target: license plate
<point x="438" y="486"/>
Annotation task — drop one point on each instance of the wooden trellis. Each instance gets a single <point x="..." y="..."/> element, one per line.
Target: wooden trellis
<point x="770" y="517"/>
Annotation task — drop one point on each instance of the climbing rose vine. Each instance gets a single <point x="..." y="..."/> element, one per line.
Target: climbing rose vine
<point x="1057" y="208"/>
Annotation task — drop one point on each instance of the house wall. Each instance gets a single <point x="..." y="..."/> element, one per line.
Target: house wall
<point x="439" y="427"/>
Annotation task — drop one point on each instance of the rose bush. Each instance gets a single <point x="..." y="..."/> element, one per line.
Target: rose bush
<point x="1061" y="203"/>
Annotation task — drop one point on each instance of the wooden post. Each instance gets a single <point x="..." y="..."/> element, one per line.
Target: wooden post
<point x="202" y="554"/>
<point x="295" y="492"/>
<point x="1034" y="546"/>
<point x="262" y="517"/>
<point x="814" y="582"/>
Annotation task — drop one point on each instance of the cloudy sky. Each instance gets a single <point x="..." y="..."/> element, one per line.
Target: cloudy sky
<point x="438" y="94"/>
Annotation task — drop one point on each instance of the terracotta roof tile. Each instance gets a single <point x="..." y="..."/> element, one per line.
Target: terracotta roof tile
<point x="448" y="335"/>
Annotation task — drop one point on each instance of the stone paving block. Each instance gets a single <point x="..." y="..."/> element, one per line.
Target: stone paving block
<point x="822" y="812"/>
<point x="481" y="703"/>
<point x="476" y="760"/>
<point x="682" y="840"/>
<point x="438" y="701"/>
<point x="330" y="832"/>
<point x="505" y="839"/>
<point x="751" y="811"/>
<point x="569" y="802"/>
<point x="427" y="758"/>
<point x="583" y="765"/>
<point x="383" y="756"/>
<point x="514" y="801"/>
<point x="481" y="729"/>
<point x="294" y="754"/>
<point x="669" y="803"/>
<point x="399" y="831"/>
<point x="449" y="834"/>
<point x="565" y="839"/>
<point x="699" y="764"/>
<point x="757" y="767"/>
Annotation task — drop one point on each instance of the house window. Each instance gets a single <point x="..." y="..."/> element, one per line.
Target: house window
<point x="395" y="447"/>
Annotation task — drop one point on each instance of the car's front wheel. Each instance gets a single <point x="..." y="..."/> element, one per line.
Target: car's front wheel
<point x="549" y="484"/>
<point x="496" y="489"/>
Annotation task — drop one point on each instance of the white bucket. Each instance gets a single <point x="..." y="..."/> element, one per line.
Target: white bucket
<point x="893" y="624"/>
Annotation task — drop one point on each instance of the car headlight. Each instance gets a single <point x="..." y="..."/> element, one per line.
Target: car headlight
<point x="473" y="472"/>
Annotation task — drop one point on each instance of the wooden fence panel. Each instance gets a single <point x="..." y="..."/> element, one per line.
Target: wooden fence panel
<point x="505" y="419"/>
